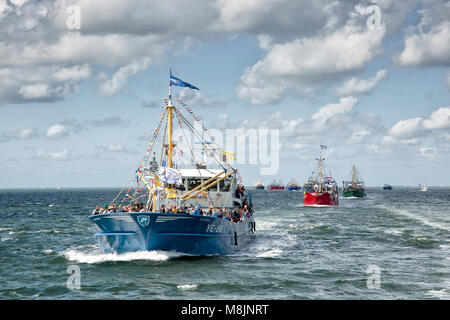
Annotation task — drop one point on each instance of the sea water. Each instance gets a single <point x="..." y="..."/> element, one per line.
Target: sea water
<point x="398" y="240"/>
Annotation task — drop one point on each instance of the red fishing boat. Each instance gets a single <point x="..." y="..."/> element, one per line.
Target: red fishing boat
<point x="321" y="189"/>
<point x="276" y="186"/>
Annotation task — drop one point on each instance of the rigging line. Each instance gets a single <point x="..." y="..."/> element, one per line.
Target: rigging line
<point x="149" y="149"/>
<point x="206" y="146"/>
<point x="195" y="132"/>
<point x="117" y="196"/>
<point x="162" y="143"/>
<point x="152" y="141"/>
<point x="185" y="137"/>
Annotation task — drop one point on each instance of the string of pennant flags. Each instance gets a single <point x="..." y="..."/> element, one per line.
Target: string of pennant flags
<point x="138" y="192"/>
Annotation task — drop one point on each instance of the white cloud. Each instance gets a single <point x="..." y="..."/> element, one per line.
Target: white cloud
<point x="407" y="128"/>
<point x="306" y="65"/>
<point x="110" y="87"/>
<point x="57" y="131"/>
<point x="360" y="86"/>
<point x="330" y="110"/>
<point x="427" y="152"/>
<point x="428" y="43"/>
<point x="40" y="83"/>
<point x="63" y="155"/>
<point x="424" y="49"/>
<point x="21" y="134"/>
<point x="34" y="91"/>
<point x="439" y="119"/>
<point x="117" y="148"/>
<point x="412" y="131"/>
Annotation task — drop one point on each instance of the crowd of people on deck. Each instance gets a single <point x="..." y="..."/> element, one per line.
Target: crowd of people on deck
<point x="234" y="215"/>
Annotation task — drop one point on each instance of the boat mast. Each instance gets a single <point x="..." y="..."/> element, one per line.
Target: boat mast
<point x="353" y="176"/>
<point x="170" y="108"/>
<point x="320" y="171"/>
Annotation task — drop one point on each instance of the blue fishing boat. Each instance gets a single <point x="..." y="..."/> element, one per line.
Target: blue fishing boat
<point x="293" y="185"/>
<point x="179" y="202"/>
<point x="387" y="187"/>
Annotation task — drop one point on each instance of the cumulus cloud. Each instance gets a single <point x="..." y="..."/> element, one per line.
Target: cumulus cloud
<point x="63" y="155"/>
<point x="360" y="86"/>
<point x="428" y="44"/>
<point x="330" y="110"/>
<point x="57" y="131"/>
<point x="307" y="64"/>
<point x="411" y="131"/>
<point x="111" y="86"/>
<point x="40" y="83"/>
<point x="308" y="44"/>
<point x="117" y="148"/>
<point x="21" y="134"/>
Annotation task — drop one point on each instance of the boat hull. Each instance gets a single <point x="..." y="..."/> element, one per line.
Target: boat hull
<point x="146" y="231"/>
<point x="320" y="199"/>
<point x="356" y="193"/>
<point x="293" y="188"/>
<point x="275" y="188"/>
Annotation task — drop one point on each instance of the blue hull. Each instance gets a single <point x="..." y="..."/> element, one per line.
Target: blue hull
<point x="145" y="231"/>
<point x="293" y="188"/>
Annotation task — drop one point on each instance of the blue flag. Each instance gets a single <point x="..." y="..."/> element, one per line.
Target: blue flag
<point x="180" y="83"/>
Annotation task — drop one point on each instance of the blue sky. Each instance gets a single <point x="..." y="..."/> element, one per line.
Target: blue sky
<point x="76" y="104"/>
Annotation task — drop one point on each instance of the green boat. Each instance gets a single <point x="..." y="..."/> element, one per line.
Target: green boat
<point x="354" y="188"/>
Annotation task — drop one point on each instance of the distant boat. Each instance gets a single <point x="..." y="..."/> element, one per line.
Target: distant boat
<point x="259" y="185"/>
<point x="423" y="188"/>
<point x="387" y="187"/>
<point x="276" y="185"/>
<point x="355" y="187"/>
<point x="321" y="189"/>
<point x="293" y="185"/>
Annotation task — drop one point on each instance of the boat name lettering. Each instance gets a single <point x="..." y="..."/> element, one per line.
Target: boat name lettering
<point x="214" y="228"/>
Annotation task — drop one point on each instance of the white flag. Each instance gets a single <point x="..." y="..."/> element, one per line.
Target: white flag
<point x="170" y="175"/>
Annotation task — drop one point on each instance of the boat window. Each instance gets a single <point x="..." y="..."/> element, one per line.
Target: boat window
<point x="193" y="183"/>
<point x="224" y="185"/>
<point x="213" y="187"/>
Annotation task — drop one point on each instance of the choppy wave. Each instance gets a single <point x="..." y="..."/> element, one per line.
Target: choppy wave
<point x="440" y="294"/>
<point x="419" y="218"/>
<point x="297" y="252"/>
<point x="192" y="286"/>
<point x="98" y="257"/>
<point x="270" y="253"/>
